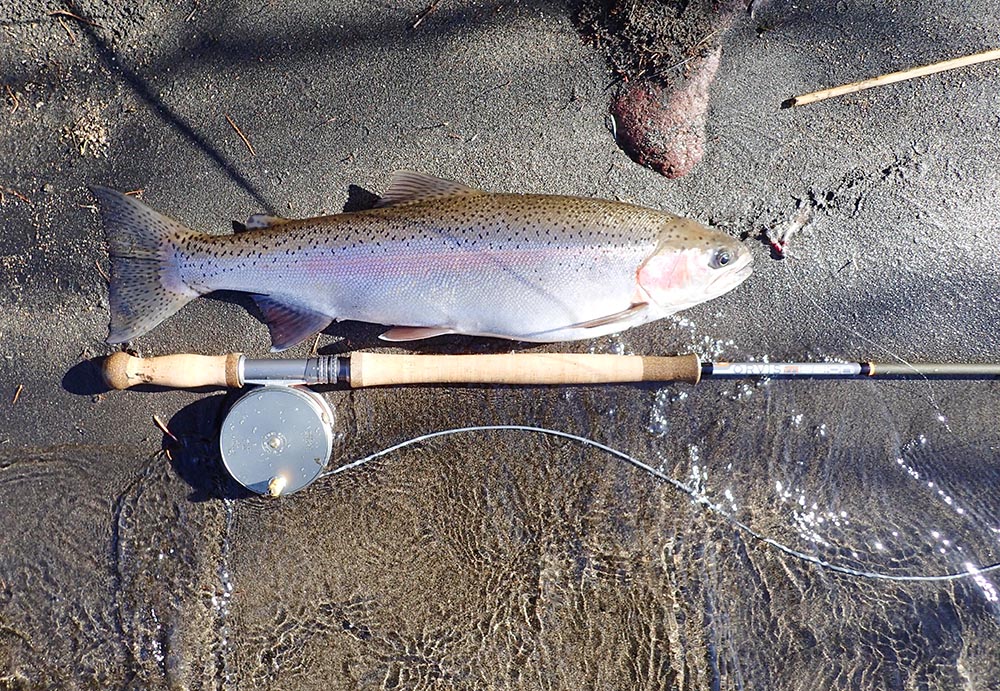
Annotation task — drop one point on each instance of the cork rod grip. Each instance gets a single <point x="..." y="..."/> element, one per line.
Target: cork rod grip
<point x="182" y="371"/>
<point x="377" y="369"/>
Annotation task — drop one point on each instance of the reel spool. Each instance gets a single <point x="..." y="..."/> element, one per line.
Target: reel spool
<point x="275" y="440"/>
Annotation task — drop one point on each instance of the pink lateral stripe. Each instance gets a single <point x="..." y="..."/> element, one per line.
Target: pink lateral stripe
<point x="456" y="260"/>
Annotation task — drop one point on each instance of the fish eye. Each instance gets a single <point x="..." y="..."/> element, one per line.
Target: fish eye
<point x="720" y="258"/>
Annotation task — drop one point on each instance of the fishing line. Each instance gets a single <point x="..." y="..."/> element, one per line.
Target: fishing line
<point x="932" y="399"/>
<point x="878" y="347"/>
<point x="696" y="497"/>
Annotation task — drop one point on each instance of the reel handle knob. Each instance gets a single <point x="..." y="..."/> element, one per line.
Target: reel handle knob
<point x="182" y="371"/>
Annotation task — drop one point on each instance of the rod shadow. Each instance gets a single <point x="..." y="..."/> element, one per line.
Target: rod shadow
<point x="117" y="65"/>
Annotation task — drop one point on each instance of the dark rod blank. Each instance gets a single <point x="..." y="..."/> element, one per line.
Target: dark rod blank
<point x="850" y="370"/>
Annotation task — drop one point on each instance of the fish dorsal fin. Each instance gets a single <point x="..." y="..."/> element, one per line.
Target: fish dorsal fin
<point x="408" y="187"/>
<point x="289" y="324"/>
<point x="623" y="316"/>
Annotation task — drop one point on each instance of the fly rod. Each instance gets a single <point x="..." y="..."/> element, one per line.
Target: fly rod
<point x="357" y="370"/>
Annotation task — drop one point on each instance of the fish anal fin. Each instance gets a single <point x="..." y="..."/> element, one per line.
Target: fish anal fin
<point x="289" y="324"/>
<point x="398" y="334"/>
<point x="409" y="187"/>
<point x="623" y="316"/>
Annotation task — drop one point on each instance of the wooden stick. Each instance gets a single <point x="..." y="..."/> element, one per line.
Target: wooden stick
<point x="892" y="78"/>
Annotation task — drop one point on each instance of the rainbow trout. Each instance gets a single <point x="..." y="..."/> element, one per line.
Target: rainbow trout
<point x="433" y="257"/>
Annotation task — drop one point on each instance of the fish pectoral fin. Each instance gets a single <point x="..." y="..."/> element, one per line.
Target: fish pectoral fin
<point x="625" y="315"/>
<point x="258" y="221"/>
<point x="289" y="325"/>
<point x="413" y="333"/>
<point x="408" y="187"/>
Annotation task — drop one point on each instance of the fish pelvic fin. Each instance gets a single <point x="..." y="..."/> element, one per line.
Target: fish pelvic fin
<point x="145" y="249"/>
<point x="400" y="334"/>
<point x="287" y="323"/>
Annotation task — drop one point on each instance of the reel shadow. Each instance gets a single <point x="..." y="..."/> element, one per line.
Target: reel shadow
<point x="194" y="454"/>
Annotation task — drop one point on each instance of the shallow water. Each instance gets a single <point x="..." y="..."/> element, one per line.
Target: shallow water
<point x="542" y="563"/>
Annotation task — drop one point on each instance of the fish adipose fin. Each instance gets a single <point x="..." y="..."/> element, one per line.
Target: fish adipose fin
<point x="144" y="247"/>
<point x="399" y="334"/>
<point x="258" y="221"/>
<point x="623" y="316"/>
<point x="289" y="325"/>
<point x="408" y="187"/>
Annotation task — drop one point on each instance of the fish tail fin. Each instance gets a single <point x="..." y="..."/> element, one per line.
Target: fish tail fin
<point x="145" y="248"/>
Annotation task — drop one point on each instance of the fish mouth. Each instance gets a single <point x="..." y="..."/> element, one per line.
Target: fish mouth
<point x="733" y="276"/>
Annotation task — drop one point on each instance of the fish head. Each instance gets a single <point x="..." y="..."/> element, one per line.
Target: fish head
<point x="691" y="265"/>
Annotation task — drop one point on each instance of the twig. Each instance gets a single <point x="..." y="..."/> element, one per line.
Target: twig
<point x="242" y="136"/>
<point x="67" y="13"/>
<point x="163" y="428"/>
<point x="101" y="271"/>
<point x="705" y="40"/>
<point x="11" y="190"/>
<point x="428" y="11"/>
<point x="72" y="38"/>
<point x="17" y="394"/>
<point x="494" y="88"/>
<point x="313" y="352"/>
<point x="663" y="71"/>
<point x="193" y="10"/>
<point x="892" y="78"/>
<point x="14" y="98"/>
<point x="135" y="193"/>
